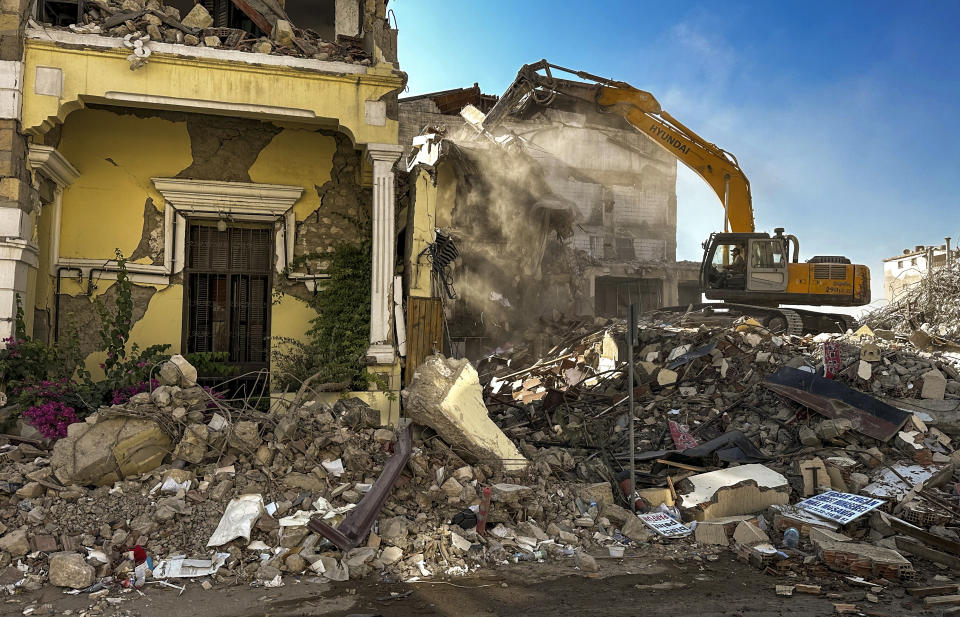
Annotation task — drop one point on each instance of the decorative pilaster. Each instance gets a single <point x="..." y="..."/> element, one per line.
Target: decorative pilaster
<point x="383" y="156"/>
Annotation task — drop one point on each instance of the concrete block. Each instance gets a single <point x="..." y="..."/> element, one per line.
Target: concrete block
<point x="819" y="535"/>
<point x="445" y="394"/>
<point x="599" y="492"/>
<point x="749" y="534"/>
<point x="666" y="377"/>
<point x="70" y="570"/>
<point x="135" y="446"/>
<point x="283" y="33"/>
<point x="934" y="385"/>
<point x="198" y="18"/>
<point x="713" y="533"/>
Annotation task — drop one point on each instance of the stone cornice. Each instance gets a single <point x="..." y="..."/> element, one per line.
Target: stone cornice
<point x="48" y="161"/>
<point x="228" y="197"/>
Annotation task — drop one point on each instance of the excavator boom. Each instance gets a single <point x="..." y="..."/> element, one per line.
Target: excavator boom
<point x="739" y="265"/>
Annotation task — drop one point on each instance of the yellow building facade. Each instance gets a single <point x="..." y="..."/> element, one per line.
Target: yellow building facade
<point x="223" y="176"/>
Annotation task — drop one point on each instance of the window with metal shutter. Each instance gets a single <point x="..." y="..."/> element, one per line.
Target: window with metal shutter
<point x="229" y="275"/>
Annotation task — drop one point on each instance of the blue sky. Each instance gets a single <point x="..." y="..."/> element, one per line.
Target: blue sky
<point x="845" y="116"/>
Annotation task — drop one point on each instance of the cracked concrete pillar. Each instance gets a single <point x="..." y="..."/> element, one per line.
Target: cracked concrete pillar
<point x="671" y="288"/>
<point x="383" y="156"/>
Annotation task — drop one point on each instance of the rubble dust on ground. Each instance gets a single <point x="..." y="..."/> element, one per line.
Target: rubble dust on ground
<point x="518" y="459"/>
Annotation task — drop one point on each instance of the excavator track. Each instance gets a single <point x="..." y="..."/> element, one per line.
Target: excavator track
<point x="778" y="320"/>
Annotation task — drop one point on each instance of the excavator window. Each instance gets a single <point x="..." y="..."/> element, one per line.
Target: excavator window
<point x="766" y="254"/>
<point x="728" y="266"/>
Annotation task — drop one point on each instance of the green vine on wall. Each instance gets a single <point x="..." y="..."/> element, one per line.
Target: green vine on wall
<point x="339" y="335"/>
<point x="115" y="326"/>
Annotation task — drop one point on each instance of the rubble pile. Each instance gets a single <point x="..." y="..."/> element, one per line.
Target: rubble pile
<point x="180" y="477"/>
<point x="931" y="305"/>
<point x="735" y="426"/>
<point x="139" y="22"/>
<point x="817" y="457"/>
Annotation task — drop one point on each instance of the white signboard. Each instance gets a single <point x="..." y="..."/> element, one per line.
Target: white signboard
<point x="840" y="507"/>
<point x="664" y="525"/>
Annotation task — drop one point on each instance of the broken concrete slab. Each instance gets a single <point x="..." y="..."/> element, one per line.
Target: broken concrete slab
<point x="864" y="560"/>
<point x="105" y="450"/>
<point x="736" y="490"/>
<point x="887" y="484"/>
<point x="445" y="394"/>
<point x="819" y="536"/>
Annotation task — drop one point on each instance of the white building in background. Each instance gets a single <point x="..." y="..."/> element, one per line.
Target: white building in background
<point x="909" y="268"/>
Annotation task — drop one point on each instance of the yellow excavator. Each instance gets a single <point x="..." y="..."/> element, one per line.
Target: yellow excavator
<point x="753" y="273"/>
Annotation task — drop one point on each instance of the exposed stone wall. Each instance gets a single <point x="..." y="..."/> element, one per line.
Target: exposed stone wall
<point x="151" y="238"/>
<point x="225" y="148"/>
<point x="79" y="313"/>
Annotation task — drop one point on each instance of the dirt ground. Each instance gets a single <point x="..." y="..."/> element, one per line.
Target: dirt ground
<point x="629" y="587"/>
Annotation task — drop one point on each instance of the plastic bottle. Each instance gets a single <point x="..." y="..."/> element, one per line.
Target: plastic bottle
<point x="671" y="512"/>
<point x="791" y="537"/>
<point x="534" y="556"/>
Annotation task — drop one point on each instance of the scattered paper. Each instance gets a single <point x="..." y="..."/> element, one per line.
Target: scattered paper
<point x="334" y="467"/>
<point x="238" y="519"/>
<point x="664" y="524"/>
<point x="181" y="567"/>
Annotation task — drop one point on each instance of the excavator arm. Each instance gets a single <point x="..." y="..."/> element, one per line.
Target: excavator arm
<point x="716" y="166"/>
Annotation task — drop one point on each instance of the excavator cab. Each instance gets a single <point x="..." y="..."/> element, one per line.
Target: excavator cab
<point x="743" y="267"/>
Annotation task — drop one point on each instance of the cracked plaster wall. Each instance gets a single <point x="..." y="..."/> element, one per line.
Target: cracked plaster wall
<point x="115" y="205"/>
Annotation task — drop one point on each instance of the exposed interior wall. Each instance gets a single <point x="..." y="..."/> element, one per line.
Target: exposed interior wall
<point x="114" y="205"/>
<point x="620" y="187"/>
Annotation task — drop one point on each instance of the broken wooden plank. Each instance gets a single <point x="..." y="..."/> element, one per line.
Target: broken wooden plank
<point x="305" y="46"/>
<point x="924" y="536"/>
<point x="255" y="16"/>
<point x="813" y="589"/>
<point x="921" y="550"/>
<point x="119" y="18"/>
<point x="941" y="600"/>
<point x="664" y="461"/>
<point x="939" y="590"/>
